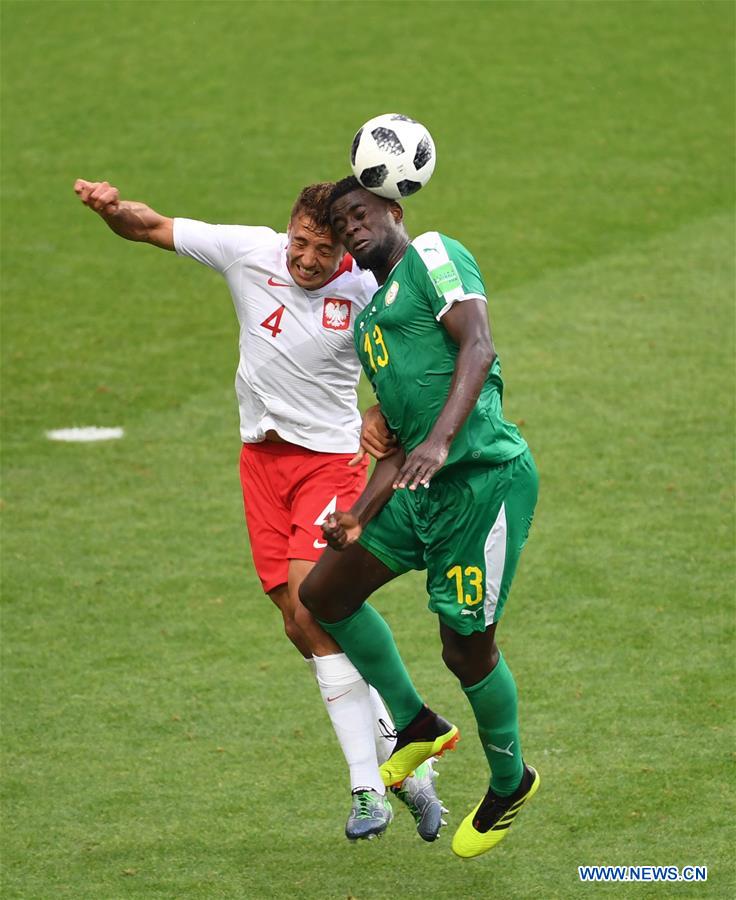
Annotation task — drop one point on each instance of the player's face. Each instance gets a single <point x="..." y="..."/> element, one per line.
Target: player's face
<point x="312" y="256"/>
<point x="367" y="226"/>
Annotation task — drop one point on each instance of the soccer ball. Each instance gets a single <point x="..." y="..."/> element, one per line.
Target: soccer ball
<point x="393" y="156"/>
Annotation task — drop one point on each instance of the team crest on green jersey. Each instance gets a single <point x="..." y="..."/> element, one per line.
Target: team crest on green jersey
<point x="391" y="293"/>
<point x="445" y="278"/>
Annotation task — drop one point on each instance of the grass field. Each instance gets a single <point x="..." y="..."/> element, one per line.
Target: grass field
<point x="161" y="738"/>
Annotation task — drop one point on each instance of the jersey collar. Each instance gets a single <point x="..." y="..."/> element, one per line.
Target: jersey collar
<point x="345" y="266"/>
<point x="395" y="267"/>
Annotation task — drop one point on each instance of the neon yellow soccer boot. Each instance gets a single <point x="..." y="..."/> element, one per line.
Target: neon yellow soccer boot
<point x="426" y="735"/>
<point x="489" y="822"/>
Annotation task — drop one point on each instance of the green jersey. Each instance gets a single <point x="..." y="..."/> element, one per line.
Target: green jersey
<point x="410" y="358"/>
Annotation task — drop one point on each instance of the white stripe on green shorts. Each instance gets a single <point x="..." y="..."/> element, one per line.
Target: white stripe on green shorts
<point x="495" y="557"/>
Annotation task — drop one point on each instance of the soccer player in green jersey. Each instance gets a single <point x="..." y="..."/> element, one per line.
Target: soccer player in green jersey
<point x="457" y="499"/>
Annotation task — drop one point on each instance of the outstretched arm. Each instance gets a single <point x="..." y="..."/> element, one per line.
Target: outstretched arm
<point x="467" y="325"/>
<point x="131" y="220"/>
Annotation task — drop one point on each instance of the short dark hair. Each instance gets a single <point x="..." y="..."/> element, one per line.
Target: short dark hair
<point x="313" y="201"/>
<point x="342" y="187"/>
<point x="321" y="211"/>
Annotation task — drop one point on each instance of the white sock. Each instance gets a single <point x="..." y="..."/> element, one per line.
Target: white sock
<point x="383" y="727"/>
<point x="348" y="703"/>
<point x="310" y="663"/>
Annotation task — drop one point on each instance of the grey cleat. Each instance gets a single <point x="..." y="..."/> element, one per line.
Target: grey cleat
<point x="370" y="816"/>
<point x="418" y="792"/>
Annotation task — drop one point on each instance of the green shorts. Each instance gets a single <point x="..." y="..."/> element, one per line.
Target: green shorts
<point x="467" y="530"/>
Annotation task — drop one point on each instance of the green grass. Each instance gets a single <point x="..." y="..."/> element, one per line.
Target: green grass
<point x="161" y="739"/>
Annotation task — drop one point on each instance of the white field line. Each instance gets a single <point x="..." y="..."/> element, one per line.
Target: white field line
<point x="85" y="435"/>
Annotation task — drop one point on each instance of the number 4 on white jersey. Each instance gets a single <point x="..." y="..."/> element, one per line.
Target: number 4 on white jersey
<point x="321" y="518"/>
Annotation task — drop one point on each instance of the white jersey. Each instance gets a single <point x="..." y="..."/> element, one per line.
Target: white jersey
<point x="298" y="370"/>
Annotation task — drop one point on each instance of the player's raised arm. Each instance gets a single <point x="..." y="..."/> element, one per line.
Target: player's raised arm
<point x="131" y="220"/>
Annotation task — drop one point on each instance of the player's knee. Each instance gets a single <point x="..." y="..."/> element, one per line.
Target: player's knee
<point x="292" y="630"/>
<point x="455" y="660"/>
<point x="459" y="659"/>
<point x="469" y="663"/>
<point x="304" y="619"/>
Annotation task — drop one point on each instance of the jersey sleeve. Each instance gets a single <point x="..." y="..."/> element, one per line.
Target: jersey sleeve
<point x="217" y="246"/>
<point x="447" y="271"/>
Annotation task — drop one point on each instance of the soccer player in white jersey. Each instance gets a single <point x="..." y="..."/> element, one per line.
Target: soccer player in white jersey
<point x="296" y="296"/>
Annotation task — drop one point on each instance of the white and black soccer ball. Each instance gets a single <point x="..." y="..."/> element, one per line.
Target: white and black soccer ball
<point x="393" y="156"/>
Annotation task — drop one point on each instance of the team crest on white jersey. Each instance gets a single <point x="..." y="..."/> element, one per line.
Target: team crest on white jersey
<point x="336" y="314"/>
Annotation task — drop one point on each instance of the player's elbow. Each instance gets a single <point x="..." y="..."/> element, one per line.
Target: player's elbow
<point x="484" y="353"/>
<point x="161" y="233"/>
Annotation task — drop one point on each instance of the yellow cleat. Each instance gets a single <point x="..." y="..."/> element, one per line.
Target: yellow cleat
<point x="488" y="823"/>
<point x="427" y="736"/>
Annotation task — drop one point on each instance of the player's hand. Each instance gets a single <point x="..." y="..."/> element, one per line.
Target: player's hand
<point x="100" y="196"/>
<point x="421" y="464"/>
<point x="375" y="437"/>
<point x="341" y="529"/>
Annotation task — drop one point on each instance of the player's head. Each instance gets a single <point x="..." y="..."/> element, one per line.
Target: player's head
<point x="369" y="226"/>
<point x="313" y="253"/>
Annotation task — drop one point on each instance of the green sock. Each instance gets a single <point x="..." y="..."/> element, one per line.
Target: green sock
<point x="370" y="646"/>
<point x="494" y="704"/>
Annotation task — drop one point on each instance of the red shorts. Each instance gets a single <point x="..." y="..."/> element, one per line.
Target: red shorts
<point x="288" y="491"/>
